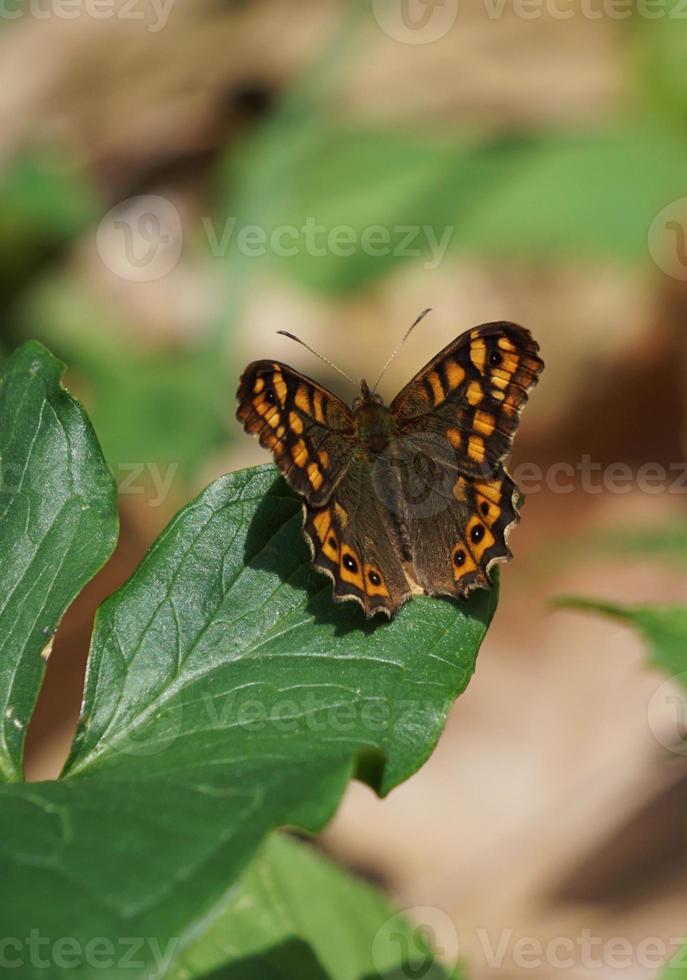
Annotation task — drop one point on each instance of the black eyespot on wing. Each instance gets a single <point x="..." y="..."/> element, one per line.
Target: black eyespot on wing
<point x="484" y="507"/>
<point x="459" y="559"/>
<point x="375" y="578"/>
<point x="477" y="533"/>
<point x="350" y="564"/>
<point x="332" y="542"/>
<point x="270" y="396"/>
<point x="495" y="358"/>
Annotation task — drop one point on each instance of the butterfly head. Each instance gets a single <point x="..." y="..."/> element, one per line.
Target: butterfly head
<point x="366" y="397"/>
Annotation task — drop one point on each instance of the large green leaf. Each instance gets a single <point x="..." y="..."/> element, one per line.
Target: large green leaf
<point x="291" y="903"/>
<point x="58" y="525"/>
<point x="226" y="696"/>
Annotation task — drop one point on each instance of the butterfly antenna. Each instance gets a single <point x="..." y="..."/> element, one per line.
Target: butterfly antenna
<point x="398" y="346"/>
<point x="291" y="336"/>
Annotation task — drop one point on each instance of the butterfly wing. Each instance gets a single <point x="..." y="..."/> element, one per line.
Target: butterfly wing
<point x="469" y="397"/>
<point x="454" y="549"/>
<point x="309" y="430"/>
<point x="455" y="423"/>
<point x="355" y="541"/>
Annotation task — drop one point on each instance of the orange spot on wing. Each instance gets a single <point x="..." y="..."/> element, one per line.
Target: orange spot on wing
<point x="454" y="437"/>
<point x="315" y="476"/>
<point x="318" y="406"/>
<point x="462" y="561"/>
<point x="302" y="399"/>
<point x="476" y="449"/>
<point x="484" y="423"/>
<point x="475" y="393"/>
<point x="299" y="453"/>
<point x="279" y="385"/>
<point x="437" y="387"/>
<point x="487" y="540"/>
<point x="372" y="576"/>
<point x="478" y="354"/>
<point x="295" y="423"/>
<point x="341" y="514"/>
<point x="455" y="375"/>
<point x="352" y="575"/>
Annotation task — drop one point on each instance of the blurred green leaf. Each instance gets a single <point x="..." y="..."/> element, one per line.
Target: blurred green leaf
<point x="328" y="185"/>
<point x="677" y="970"/>
<point x="660" y="45"/>
<point x="226" y="695"/>
<point x="44" y="203"/>
<point x="164" y="407"/>
<point x="585" y="195"/>
<point x="292" y="904"/>
<point x="58" y="525"/>
<point x="665" y="542"/>
<point x="663" y="628"/>
<point x="46" y="196"/>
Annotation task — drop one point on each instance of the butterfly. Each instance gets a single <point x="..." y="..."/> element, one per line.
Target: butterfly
<point x="409" y="498"/>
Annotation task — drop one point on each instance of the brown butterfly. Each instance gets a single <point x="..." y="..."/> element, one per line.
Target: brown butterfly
<point x="412" y="497"/>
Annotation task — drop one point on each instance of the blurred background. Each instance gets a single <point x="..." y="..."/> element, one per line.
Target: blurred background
<point x="181" y="178"/>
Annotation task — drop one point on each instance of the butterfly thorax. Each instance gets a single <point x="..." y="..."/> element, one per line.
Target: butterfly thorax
<point x="372" y="421"/>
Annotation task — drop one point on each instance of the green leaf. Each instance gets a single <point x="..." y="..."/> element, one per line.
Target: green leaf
<point x="46" y="196"/>
<point x="590" y="194"/>
<point x="226" y="696"/>
<point x="168" y="408"/>
<point x="567" y="195"/>
<point x="323" y="183"/>
<point x="663" y="627"/>
<point x="58" y="525"/>
<point x="293" y="905"/>
<point x="677" y="969"/>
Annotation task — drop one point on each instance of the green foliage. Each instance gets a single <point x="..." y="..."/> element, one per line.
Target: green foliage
<point x="334" y="927"/>
<point x="588" y="195"/>
<point x="677" y="969"/>
<point x="226" y="696"/>
<point x="664" y="628"/>
<point x="58" y="525"/>
<point x="148" y="407"/>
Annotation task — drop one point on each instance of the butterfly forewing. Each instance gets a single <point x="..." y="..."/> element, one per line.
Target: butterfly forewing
<point x="309" y="430"/>
<point x="471" y="394"/>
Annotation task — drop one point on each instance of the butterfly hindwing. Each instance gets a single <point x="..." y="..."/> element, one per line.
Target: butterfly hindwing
<point x="353" y="539"/>
<point x="471" y="394"/>
<point x="454" y="549"/>
<point x="309" y="430"/>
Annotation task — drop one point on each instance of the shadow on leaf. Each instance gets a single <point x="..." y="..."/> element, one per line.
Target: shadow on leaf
<point x="275" y="544"/>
